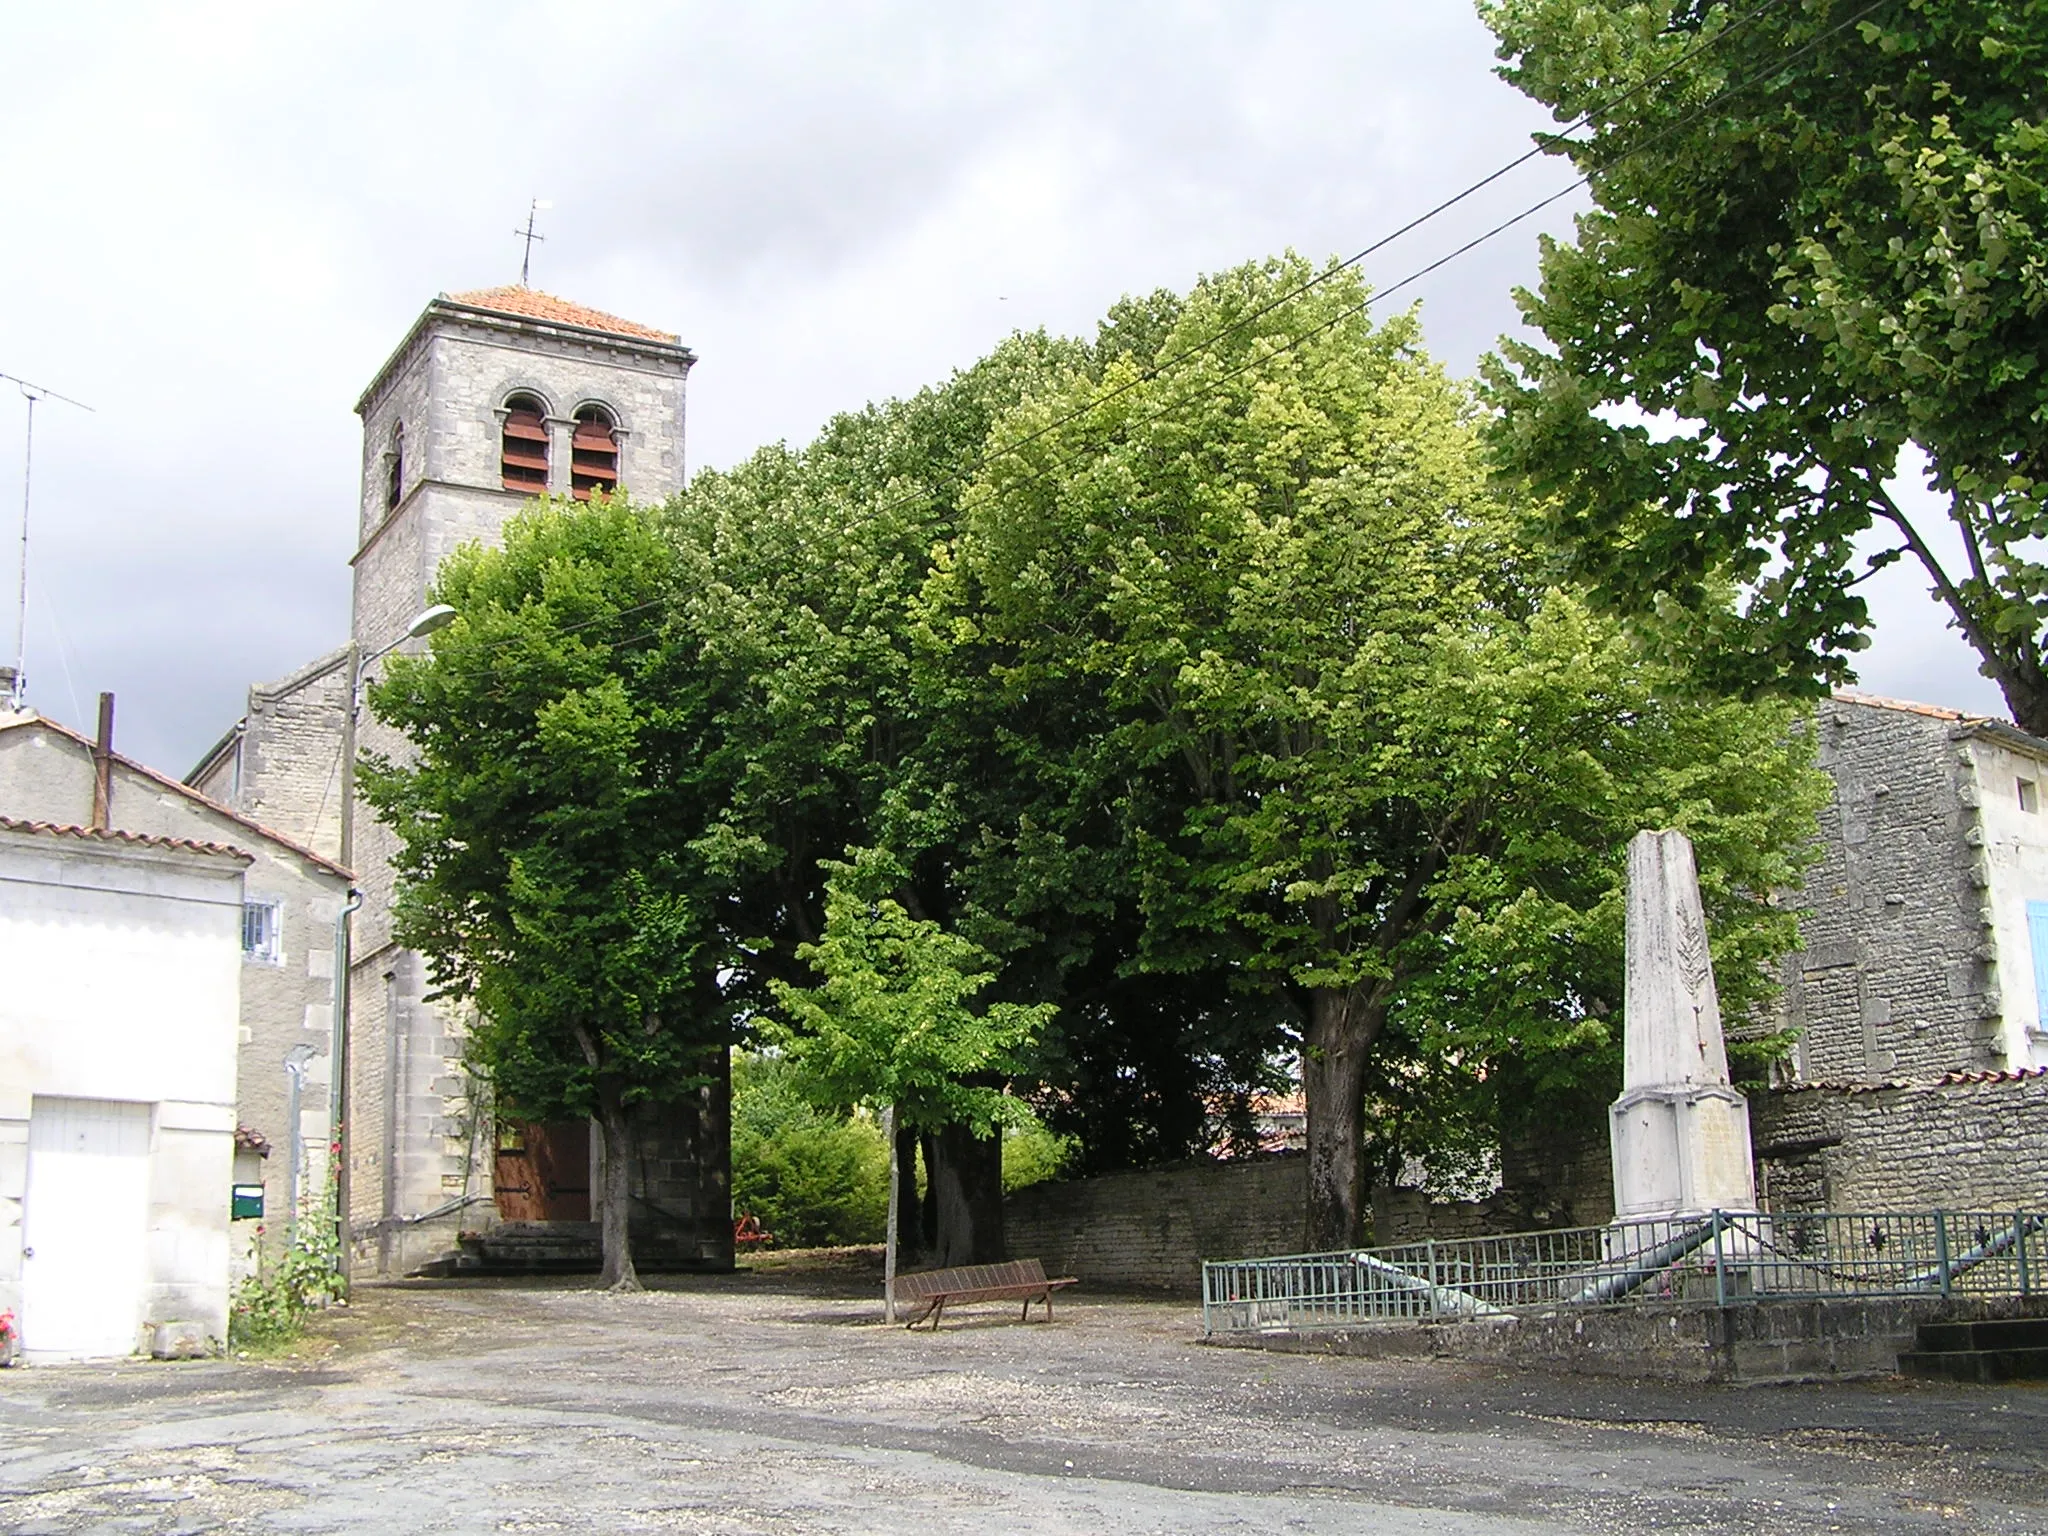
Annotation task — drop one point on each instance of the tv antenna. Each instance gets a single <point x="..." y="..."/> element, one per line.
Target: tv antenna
<point x="527" y="234"/>
<point x="17" y="684"/>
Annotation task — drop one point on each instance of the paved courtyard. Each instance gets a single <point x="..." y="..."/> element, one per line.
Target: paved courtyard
<point x="749" y="1404"/>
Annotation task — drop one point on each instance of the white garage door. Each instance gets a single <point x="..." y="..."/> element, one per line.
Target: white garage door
<point x="85" y="1227"/>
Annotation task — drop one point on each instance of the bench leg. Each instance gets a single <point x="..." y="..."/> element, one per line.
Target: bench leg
<point x="938" y="1312"/>
<point x="1048" y="1306"/>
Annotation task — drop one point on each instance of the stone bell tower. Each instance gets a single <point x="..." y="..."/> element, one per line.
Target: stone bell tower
<point x="494" y="397"/>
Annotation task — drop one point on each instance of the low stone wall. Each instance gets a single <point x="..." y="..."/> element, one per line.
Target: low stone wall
<point x="1152" y="1228"/>
<point x="1770" y="1341"/>
<point x="1974" y="1142"/>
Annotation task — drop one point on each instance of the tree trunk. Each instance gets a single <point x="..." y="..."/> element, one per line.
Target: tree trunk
<point x="2026" y="695"/>
<point x="1338" y="1042"/>
<point x="911" y="1242"/>
<point x="617" y="1196"/>
<point x="891" y="1223"/>
<point x="967" y="1180"/>
<point x="928" y="1207"/>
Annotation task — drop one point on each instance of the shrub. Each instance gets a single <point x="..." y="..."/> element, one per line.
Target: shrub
<point x="1032" y="1154"/>
<point x="270" y="1306"/>
<point x="811" y="1178"/>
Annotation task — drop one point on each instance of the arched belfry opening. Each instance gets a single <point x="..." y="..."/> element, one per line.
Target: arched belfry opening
<point x="594" y="453"/>
<point x="523" y="451"/>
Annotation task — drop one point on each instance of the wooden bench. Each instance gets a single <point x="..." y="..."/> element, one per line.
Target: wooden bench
<point x="1018" y="1280"/>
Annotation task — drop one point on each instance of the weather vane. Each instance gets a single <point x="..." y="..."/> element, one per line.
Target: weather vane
<point x="527" y="234"/>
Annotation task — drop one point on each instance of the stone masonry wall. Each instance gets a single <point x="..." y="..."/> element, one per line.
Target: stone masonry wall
<point x="1896" y="978"/>
<point x="1954" y="1145"/>
<point x="1151" y="1229"/>
<point x="291" y="753"/>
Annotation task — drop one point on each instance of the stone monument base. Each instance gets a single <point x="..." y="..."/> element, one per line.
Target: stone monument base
<point x="1681" y="1151"/>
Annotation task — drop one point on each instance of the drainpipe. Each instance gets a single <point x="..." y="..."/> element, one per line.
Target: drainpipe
<point x="295" y="1061"/>
<point x="103" y="767"/>
<point x="337" y="1114"/>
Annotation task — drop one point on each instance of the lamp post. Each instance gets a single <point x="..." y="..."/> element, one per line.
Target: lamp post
<point x="424" y="623"/>
<point x="428" y="620"/>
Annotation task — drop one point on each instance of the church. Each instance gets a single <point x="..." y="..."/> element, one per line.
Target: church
<point x="493" y="397"/>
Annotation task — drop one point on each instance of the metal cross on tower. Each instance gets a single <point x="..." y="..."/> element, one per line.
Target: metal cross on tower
<point x="527" y="234"/>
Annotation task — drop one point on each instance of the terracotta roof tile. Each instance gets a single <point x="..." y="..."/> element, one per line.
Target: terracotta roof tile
<point x="1946" y="1080"/>
<point x="535" y="305"/>
<point x="116" y="835"/>
<point x="1903" y="706"/>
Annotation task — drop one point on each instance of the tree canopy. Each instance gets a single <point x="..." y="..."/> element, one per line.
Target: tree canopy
<point x="1821" y="235"/>
<point x="548" y="820"/>
<point x="1111" y="728"/>
<point x="1358" y="759"/>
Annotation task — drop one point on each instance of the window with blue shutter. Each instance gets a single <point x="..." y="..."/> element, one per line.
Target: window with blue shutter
<point x="2037" y="941"/>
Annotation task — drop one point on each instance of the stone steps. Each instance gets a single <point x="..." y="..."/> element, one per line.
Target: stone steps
<point x="1992" y="1350"/>
<point x="523" y="1248"/>
<point x="555" y="1248"/>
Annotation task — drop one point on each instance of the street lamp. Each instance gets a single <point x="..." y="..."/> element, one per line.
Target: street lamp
<point x="424" y="623"/>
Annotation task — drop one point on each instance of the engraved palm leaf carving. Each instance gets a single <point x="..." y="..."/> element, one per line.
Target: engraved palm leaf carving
<point x="1695" y="966"/>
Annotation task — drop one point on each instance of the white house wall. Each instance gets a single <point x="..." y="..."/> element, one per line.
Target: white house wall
<point x="123" y="975"/>
<point x="287" y="1000"/>
<point x="2015" y="856"/>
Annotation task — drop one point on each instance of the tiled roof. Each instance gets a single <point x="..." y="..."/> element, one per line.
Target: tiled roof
<point x="1946" y="1080"/>
<point x="535" y="305"/>
<point x="1903" y="706"/>
<point x="252" y="1141"/>
<point x="116" y="835"/>
<point x="186" y="790"/>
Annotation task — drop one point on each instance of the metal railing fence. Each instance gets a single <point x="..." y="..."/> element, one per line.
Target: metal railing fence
<point x="1729" y="1258"/>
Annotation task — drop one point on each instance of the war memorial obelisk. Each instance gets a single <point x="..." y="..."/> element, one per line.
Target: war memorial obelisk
<point x="1680" y="1131"/>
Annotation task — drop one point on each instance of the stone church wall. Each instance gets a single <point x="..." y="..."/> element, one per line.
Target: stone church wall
<point x="1151" y="1228"/>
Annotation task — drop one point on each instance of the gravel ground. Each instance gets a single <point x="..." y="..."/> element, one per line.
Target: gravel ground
<point x="777" y="1402"/>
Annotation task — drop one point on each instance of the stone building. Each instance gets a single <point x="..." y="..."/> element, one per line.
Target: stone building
<point x="291" y="901"/>
<point x="1918" y="1078"/>
<point x="492" y="398"/>
<point x="281" y="763"/>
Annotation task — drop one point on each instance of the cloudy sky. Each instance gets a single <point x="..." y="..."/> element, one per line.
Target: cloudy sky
<point x="221" y="218"/>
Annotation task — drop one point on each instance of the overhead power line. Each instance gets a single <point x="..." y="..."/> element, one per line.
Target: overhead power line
<point x="1478" y="240"/>
<point x="1543" y="147"/>
<point x="1208" y="342"/>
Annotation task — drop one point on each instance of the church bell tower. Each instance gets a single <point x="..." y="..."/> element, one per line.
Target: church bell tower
<point x="493" y="398"/>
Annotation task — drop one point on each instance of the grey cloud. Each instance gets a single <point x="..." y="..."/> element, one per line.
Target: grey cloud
<point x="231" y="216"/>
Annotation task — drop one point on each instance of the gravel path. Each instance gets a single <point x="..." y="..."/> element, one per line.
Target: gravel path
<point x="767" y="1403"/>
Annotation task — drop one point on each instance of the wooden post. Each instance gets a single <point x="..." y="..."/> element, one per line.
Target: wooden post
<point x="889" y="1231"/>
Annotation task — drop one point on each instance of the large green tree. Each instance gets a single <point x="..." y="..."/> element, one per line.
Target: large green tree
<point x="856" y="720"/>
<point x="1821" y="235"/>
<point x="564" y="752"/>
<point x="1351" y="756"/>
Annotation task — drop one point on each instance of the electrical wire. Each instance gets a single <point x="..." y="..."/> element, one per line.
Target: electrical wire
<point x="1478" y="240"/>
<point x="1201" y="347"/>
